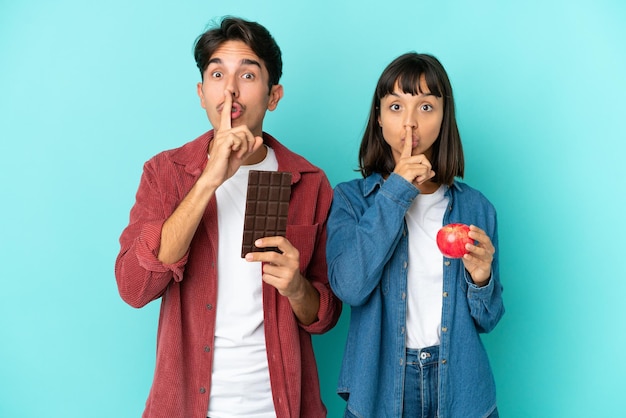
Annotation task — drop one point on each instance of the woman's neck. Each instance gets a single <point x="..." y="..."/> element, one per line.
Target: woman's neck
<point x="428" y="187"/>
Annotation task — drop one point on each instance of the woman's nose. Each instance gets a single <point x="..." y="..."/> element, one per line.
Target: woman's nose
<point x="410" y="118"/>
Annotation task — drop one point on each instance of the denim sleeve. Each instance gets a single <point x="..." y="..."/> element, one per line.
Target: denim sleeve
<point x="485" y="303"/>
<point x="363" y="232"/>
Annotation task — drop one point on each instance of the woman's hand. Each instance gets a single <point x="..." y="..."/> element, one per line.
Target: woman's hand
<point x="478" y="261"/>
<point x="415" y="169"/>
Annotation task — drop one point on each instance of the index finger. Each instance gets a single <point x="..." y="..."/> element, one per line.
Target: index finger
<point x="279" y="242"/>
<point x="407" y="150"/>
<point x="227" y="107"/>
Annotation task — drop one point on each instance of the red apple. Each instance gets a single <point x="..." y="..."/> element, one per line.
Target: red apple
<point x="451" y="240"/>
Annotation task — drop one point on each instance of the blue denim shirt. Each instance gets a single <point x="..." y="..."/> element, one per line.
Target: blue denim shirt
<point x="367" y="253"/>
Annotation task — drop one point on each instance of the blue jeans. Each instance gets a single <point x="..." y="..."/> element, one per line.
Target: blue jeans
<point x="421" y="383"/>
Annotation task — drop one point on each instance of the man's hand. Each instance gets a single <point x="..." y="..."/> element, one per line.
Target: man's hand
<point x="282" y="271"/>
<point x="230" y="146"/>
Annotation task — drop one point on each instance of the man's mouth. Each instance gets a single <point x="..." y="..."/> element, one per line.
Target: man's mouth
<point x="236" y="110"/>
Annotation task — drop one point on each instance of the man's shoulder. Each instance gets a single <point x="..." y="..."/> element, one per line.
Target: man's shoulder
<point x="289" y="160"/>
<point x="190" y="148"/>
<point x="192" y="151"/>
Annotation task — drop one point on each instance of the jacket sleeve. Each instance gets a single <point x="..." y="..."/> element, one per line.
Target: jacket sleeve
<point x="485" y="303"/>
<point x="317" y="271"/>
<point x="140" y="276"/>
<point x="362" y="238"/>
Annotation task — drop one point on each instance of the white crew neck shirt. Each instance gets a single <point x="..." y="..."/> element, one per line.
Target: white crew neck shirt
<point x="240" y="382"/>
<point x="425" y="274"/>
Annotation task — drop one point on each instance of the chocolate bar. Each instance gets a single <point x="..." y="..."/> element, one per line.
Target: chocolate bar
<point x="267" y="205"/>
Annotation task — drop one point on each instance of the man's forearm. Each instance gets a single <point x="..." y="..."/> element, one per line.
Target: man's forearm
<point x="307" y="304"/>
<point x="179" y="229"/>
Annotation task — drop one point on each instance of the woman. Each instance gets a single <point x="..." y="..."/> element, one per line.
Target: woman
<point x="413" y="347"/>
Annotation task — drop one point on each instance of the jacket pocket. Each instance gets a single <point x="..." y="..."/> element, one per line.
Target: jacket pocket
<point x="304" y="238"/>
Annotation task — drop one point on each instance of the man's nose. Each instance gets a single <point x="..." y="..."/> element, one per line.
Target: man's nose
<point x="233" y="86"/>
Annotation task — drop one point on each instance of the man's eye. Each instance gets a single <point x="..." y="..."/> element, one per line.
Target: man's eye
<point x="248" y="76"/>
<point x="216" y="74"/>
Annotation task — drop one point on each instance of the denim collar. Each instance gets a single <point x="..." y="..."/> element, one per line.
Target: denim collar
<point x="375" y="180"/>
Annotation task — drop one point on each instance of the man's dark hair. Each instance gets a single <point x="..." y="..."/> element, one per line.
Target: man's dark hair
<point x="375" y="154"/>
<point x="256" y="36"/>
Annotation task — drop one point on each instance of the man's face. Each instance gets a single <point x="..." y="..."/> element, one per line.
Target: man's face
<point x="235" y="68"/>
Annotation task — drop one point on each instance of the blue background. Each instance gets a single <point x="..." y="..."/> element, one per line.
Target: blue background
<point x="89" y="90"/>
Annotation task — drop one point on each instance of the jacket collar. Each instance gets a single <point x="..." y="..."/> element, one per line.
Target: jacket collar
<point x="374" y="181"/>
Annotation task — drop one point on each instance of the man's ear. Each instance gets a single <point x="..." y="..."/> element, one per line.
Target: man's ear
<point x="276" y="93"/>
<point x="201" y="95"/>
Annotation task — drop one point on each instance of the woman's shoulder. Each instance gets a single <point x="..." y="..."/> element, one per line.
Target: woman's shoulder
<point x="465" y="192"/>
<point x="362" y="186"/>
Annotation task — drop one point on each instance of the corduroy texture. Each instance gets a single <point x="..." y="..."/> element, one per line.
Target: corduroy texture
<point x="188" y="288"/>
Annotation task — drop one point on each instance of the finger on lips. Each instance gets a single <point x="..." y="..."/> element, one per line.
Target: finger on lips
<point x="408" y="142"/>
<point x="227" y="107"/>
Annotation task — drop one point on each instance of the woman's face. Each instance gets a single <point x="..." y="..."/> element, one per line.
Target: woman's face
<point x="423" y="113"/>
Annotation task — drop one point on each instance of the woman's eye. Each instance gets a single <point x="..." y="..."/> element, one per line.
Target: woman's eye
<point x="395" y="107"/>
<point x="427" y="107"/>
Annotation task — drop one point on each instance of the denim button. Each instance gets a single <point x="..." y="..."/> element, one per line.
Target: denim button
<point x="424" y="356"/>
<point x="445" y="294"/>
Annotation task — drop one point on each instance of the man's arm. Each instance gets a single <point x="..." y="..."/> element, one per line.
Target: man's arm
<point x="228" y="150"/>
<point x="179" y="229"/>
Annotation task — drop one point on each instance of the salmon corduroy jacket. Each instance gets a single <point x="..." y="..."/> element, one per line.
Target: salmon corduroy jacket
<point x="188" y="288"/>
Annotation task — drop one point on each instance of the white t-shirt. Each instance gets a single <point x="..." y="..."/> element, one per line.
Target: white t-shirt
<point x="240" y="383"/>
<point x="425" y="275"/>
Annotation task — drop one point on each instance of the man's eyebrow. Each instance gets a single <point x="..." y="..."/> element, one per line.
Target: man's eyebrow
<point x="245" y="61"/>
<point x="248" y="61"/>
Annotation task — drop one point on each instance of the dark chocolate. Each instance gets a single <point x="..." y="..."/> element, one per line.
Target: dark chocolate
<point x="267" y="206"/>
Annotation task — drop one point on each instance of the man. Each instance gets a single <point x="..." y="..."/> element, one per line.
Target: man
<point x="234" y="334"/>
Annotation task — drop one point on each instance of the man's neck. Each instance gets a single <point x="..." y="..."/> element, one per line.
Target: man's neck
<point x="258" y="156"/>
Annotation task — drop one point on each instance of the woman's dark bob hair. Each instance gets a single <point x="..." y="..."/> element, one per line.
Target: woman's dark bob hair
<point x="447" y="152"/>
